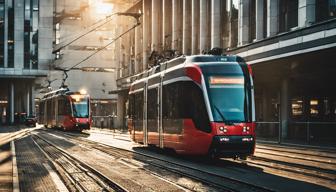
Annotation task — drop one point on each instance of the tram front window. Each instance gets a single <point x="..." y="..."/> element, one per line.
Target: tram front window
<point x="80" y="106"/>
<point x="229" y="95"/>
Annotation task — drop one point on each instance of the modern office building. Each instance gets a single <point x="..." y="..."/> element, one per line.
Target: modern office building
<point x="94" y="24"/>
<point x="25" y="54"/>
<point x="289" y="43"/>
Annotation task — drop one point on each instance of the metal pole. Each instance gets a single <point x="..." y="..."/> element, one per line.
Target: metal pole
<point x="308" y="132"/>
<point x="280" y="125"/>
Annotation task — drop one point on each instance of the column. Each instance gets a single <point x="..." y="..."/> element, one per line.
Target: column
<point x="306" y="12"/>
<point x="28" y="98"/>
<point x="215" y="23"/>
<point x="272" y="17"/>
<point x="284" y="107"/>
<point x="45" y="33"/>
<point x="186" y="50"/>
<point x="136" y="49"/>
<point x="243" y="22"/>
<point x="32" y="93"/>
<point x="156" y="21"/>
<point x="195" y="27"/>
<point x="259" y="19"/>
<point x="265" y="104"/>
<point x="204" y="32"/>
<point x="177" y="28"/>
<point x="11" y="103"/>
<point x="120" y="110"/>
<point x="167" y="24"/>
<point x="146" y="23"/>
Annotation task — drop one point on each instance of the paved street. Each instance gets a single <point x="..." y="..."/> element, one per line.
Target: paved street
<point x="111" y="153"/>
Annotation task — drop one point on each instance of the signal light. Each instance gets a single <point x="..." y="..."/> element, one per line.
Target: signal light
<point x="194" y="72"/>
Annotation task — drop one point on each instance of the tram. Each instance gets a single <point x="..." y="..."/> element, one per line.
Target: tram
<point x="65" y="109"/>
<point x="195" y="105"/>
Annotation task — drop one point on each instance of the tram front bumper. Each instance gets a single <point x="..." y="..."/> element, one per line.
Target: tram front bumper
<point x="232" y="146"/>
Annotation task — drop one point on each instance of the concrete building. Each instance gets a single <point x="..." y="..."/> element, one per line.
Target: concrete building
<point x="72" y="20"/>
<point x="25" y="54"/>
<point x="289" y="43"/>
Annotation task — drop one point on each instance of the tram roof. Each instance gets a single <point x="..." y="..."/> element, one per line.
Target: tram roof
<point x="61" y="91"/>
<point x="187" y="59"/>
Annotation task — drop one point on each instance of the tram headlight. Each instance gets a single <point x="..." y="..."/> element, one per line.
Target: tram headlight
<point x="223" y="129"/>
<point x="246" y="129"/>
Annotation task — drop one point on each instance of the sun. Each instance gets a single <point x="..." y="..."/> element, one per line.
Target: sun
<point x="102" y="8"/>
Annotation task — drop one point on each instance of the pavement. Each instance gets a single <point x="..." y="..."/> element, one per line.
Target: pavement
<point x="32" y="166"/>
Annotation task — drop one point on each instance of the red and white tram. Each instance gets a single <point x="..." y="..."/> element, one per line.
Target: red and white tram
<point x="198" y="105"/>
<point x="65" y="109"/>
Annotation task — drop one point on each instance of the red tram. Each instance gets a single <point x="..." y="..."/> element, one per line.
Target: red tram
<point x="65" y="109"/>
<point x="198" y="105"/>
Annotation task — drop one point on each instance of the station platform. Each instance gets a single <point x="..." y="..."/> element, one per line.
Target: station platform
<point x="23" y="167"/>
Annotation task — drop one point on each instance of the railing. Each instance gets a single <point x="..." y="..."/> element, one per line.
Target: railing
<point x="269" y="131"/>
<point x="314" y="133"/>
<point x="103" y="121"/>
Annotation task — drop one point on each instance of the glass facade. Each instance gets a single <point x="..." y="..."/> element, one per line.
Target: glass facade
<point x="288" y="11"/>
<point x="10" y="40"/>
<point x="2" y="32"/>
<point x="252" y="34"/>
<point x="325" y="9"/>
<point x="31" y="34"/>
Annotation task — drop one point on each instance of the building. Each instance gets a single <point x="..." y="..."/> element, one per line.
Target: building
<point x="97" y="75"/>
<point x="25" y="54"/>
<point x="289" y="43"/>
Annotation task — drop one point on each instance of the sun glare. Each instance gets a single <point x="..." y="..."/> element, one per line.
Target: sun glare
<point x="102" y="8"/>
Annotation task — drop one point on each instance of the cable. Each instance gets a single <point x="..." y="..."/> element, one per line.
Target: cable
<point x="108" y="20"/>
<point x="88" y="57"/>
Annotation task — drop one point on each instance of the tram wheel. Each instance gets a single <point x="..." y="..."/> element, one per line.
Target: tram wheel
<point x="213" y="154"/>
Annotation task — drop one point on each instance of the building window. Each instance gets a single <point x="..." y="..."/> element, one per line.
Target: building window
<point x="265" y="18"/>
<point x="2" y="32"/>
<point x="10" y="40"/>
<point x="233" y="11"/>
<point x="297" y="107"/>
<point x="252" y="20"/>
<point x="288" y="15"/>
<point x="34" y="35"/>
<point x="325" y="9"/>
<point x="31" y="34"/>
<point x="314" y="107"/>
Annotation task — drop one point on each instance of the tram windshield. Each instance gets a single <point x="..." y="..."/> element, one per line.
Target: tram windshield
<point x="80" y="106"/>
<point x="229" y="94"/>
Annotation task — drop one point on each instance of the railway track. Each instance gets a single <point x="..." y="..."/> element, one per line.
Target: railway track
<point x="315" y="167"/>
<point x="220" y="182"/>
<point x="77" y="175"/>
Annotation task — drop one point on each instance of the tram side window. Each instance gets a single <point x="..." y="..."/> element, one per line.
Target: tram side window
<point x="184" y="100"/>
<point x="49" y="106"/>
<point x="61" y="107"/>
<point x="138" y="101"/>
<point x="196" y="108"/>
<point x="41" y="108"/>
<point x="67" y="106"/>
<point x="152" y="110"/>
<point x="173" y="107"/>
<point x="131" y="106"/>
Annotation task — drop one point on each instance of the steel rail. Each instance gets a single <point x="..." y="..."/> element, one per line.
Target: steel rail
<point x="233" y="181"/>
<point x="84" y="167"/>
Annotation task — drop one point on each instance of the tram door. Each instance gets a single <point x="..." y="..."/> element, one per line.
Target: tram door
<point x="145" y="129"/>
